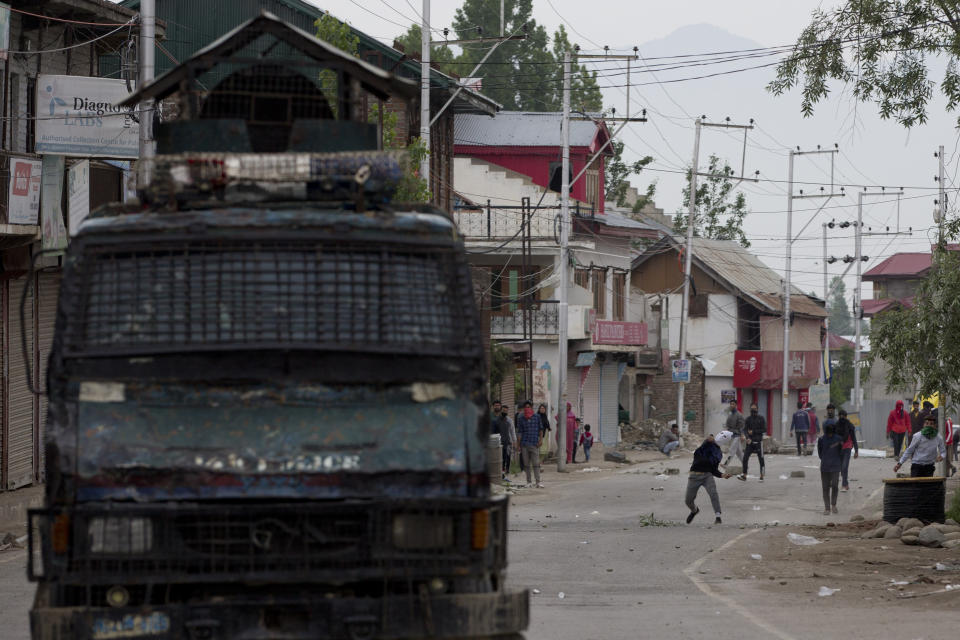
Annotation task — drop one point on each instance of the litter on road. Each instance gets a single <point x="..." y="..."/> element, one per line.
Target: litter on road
<point x="826" y="591"/>
<point x="784" y="476"/>
<point x="756" y="556"/>
<point x="561" y="595"/>
<point x="803" y="541"/>
<point x="873" y="453"/>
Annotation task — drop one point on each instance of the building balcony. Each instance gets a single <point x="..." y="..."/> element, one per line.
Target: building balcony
<point x="544" y="322"/>
<point x="500" y="224"/>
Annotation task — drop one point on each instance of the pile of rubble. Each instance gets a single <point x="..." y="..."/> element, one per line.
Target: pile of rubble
<point x="912" y="531"/>
<point x="641" y="435"/>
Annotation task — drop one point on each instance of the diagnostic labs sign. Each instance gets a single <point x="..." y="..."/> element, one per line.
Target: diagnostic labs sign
<point x="78" y="116"/>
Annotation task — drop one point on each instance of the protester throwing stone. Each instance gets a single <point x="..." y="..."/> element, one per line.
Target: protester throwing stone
<point x="926" y="450"/>
<point x="706" y="460"/>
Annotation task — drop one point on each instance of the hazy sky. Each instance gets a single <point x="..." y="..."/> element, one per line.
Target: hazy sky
<point x="619" y="22"/>
<point x="874" y="152"/>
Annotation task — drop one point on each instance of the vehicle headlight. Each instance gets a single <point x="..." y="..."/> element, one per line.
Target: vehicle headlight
<point x="422" y="532"/>
<point x="120" y="534"/>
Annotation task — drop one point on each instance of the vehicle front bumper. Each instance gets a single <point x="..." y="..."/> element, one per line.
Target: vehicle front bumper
<point x="392" y="617"/>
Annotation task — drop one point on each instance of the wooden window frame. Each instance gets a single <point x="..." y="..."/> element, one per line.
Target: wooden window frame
<point x="598" y="282"/>
<point x="619" y="284"/>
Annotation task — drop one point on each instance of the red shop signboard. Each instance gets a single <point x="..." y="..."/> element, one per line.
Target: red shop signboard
<point x="613" y="332"/>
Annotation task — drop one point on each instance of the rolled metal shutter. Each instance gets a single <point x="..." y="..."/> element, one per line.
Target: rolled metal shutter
<point x="20" y="400"/>
<point x="609" y="403"/>
<point x="48" y="290"/>
<point x="591" y="402"/>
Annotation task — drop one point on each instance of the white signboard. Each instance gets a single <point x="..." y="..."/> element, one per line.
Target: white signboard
<point x="77" y="116"/>
<point x="24" y="193"/>
<point x="78" y="194"/>
<point x="53" y="232"/>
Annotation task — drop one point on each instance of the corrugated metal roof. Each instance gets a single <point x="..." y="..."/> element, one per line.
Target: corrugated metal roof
<point x="741" y="271"/>
<point x="835" y="341"/>
<point x="901" y="265"/>
<point x="521" y="129"/>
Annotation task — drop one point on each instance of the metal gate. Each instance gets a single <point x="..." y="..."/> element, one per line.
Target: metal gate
<point x="48" y="288"/>
<point x="20" y="400"/>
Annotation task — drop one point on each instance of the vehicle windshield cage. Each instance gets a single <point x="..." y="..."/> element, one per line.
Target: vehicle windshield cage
<point x="221" y="295"/>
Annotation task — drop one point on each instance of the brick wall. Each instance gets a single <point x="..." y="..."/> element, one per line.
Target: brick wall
<point x="664" y="396"/>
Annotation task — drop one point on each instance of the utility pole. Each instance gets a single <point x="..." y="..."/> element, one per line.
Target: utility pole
<point x="787" y="287"/>
<point x="688" y="263"/>
<point x="859" y="258"/>
<point x="425" y="91"/>
<point x="942" y="203"/>
<point x="699" y="123"/>
<point x="562" y="271"/>
<point x="148" y="25"/>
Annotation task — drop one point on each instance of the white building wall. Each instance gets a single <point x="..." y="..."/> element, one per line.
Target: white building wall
<point x="713" y="337"/>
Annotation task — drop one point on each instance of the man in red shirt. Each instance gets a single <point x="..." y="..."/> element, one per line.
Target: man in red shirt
<point x="898" y="423"/>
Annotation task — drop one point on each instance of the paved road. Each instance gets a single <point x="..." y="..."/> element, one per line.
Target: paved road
<point x="619" y="579"/>
<point x="582" y="536"/>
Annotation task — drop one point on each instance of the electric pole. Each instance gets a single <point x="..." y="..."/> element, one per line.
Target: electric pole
<point x="148" y="25"/>
<point x="562" y="272"/>
<point x="425" y="92"/>
<point x="942" y="411"/>
<point x="687" y="264"/>
<point x="859" y="258"/>
<point x="699" y="123"/>
<point x="787" y="286"/>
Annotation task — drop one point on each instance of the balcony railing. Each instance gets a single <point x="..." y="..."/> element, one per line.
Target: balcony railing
<point x="502" y="223"/>
<point x="544" y="321"/>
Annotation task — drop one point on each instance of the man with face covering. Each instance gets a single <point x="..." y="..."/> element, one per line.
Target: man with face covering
<point x="898" y="423"/>
<point x="926" y="449"/>
<point x="755" y="427"/>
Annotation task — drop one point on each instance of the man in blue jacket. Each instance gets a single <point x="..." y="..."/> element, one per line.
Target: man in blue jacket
<point x="830" y="450"/>
<point x="800" y="425"/>
<point x="706" y="460"/>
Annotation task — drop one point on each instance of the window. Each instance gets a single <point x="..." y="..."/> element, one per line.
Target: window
<point x="620" y="296"/>
<point x="599" y="278"/>
<point x="582" y="278"/>
<point x="698" y="305"/>
<point x="507" y="287"/>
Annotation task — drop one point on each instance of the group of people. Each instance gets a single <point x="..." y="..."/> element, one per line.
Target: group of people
<point x="903" y="426"/>
<point x="835" y="447"/>
<point x="524" y="435"/>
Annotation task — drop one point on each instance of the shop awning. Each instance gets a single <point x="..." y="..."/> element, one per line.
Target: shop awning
<point x="586" y="358"/>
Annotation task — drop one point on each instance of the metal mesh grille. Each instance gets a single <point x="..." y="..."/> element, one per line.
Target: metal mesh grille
<point x="222" y="295"/>
<point x="338" y="542"/>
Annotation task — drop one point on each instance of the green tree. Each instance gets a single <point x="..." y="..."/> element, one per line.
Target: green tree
<point x="442" y="58"/>
<point x="412" y="187"/>
<point x="841" y="322"/>
<point x="616" y="178"/>
<point x="924" y="340"/>
<point x="842" y="378"/>
<point x="522" y="75"/>
<point x="720" y="211"/>
<point x="881" y="50"/>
